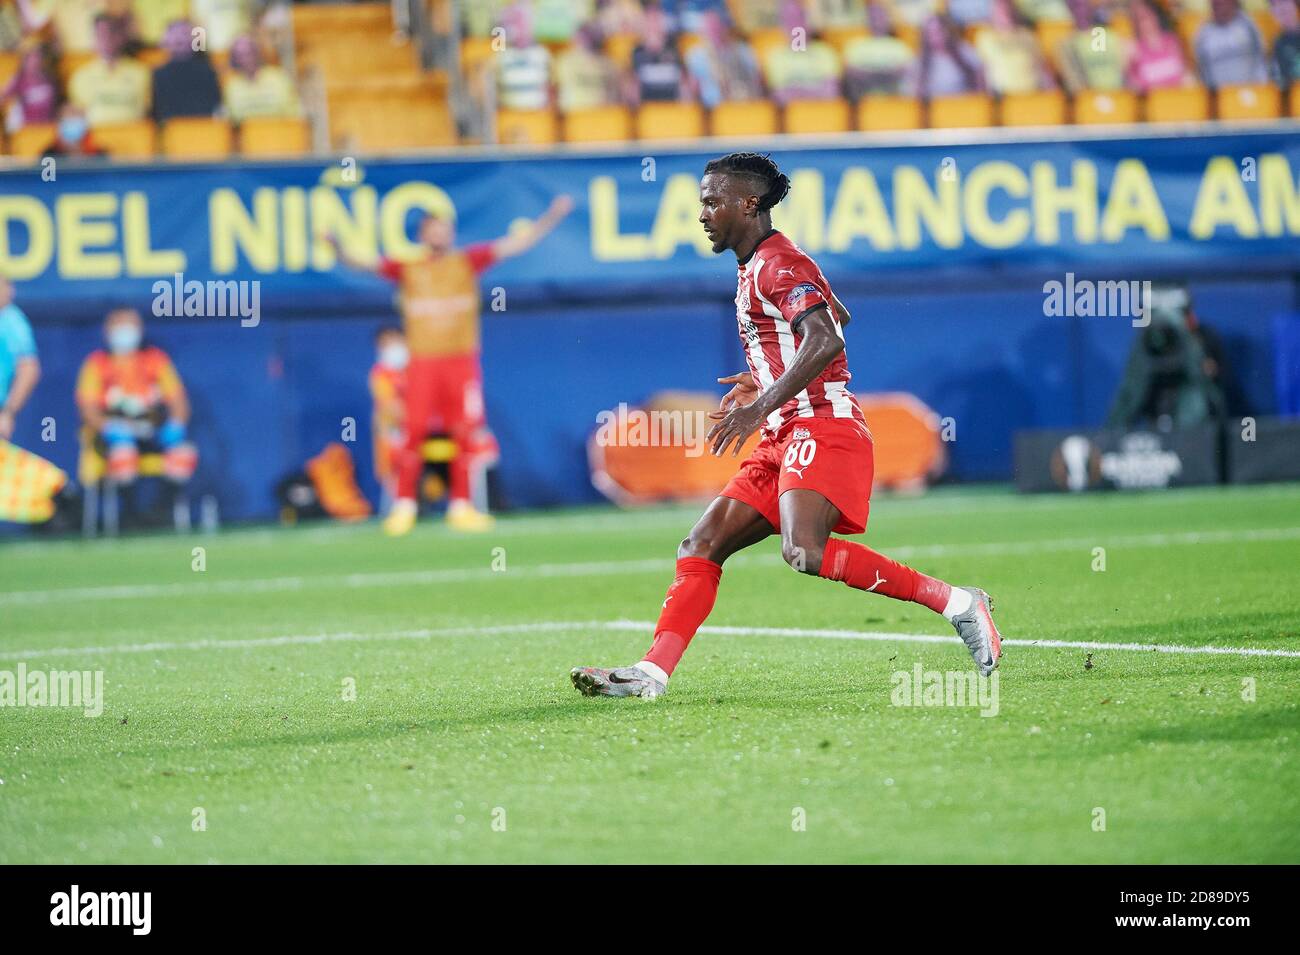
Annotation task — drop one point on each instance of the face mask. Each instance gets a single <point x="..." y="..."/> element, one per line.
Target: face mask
<point x="123" y="339"/>
<point x="72" y="131"/>
<point x="394" y="357"/>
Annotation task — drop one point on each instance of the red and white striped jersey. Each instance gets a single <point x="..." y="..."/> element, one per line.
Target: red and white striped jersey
<point x="777" y="285"/>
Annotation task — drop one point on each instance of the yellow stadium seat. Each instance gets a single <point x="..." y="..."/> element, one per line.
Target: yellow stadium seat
<point x="1178" y="104"/>
<point x="687" y="42"/>
<point x="600" y="125"/>
<point x="1044" y="108"/>
<point x="474" y="52"/>
<point x="72" y="61"/>
<point x="9" y="62"/>
<point x="1050" y="34"/>
<point x="1188" y="23"/>
<point x="30" y="142"/>
<point x="1268" y="26"/>
<point x="1121" y="24"/>
<point x="766" y="40"/>
<point x="886" y="113"/>
<point x="135" y="140"/>
<point x="309" y="18"/>
<point x="1261" y="101"/>
<point x="841" y="37"/>
<point x="958" y="112"/>
<point x="372" y="121"/>
<point x="670" y="121"/>
<point x="152" y="57"/>
<point x="1295" y="99"/>
<point x="910" y="34"/>
<point x="756" y="118"/>
<point x="817" y="116"/>
<point x="619" y="47"/>
<point x="1102" y="107"/>
<point x="274" y="136"/>
<point x="526" y="126"/>
<point x="197" y="137"/>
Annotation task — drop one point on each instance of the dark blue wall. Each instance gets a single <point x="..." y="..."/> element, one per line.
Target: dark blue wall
<point x="267" y="398"/>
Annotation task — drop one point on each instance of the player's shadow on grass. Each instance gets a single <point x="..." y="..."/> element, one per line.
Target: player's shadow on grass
<point x="1254" y="722"/>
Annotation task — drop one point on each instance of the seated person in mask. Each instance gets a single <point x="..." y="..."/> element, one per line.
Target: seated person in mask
<point x="388" y="394"/>
<point x="1166" y="384"/>
<point x="74" y="137"/>
<point x="131" y="398"/>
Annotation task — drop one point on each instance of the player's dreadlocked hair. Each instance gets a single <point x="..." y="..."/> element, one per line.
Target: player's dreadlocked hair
<point x="772" y="184"/>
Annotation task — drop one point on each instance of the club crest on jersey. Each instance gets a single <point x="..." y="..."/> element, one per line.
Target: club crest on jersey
<point x="799" y="291"/>
<point x="742" y="297"/>
<point x="800" y="434"/>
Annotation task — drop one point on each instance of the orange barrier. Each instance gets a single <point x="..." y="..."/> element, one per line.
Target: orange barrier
<point x="657" y="452"/>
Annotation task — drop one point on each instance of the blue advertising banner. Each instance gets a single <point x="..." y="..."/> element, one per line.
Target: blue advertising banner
<point x="1104" y="204"/>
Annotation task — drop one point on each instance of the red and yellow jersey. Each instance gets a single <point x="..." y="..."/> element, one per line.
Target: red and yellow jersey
<point x="440" y="299"/>
<point x="777" y="286"/>
<point x="388" y="391"/>
<point x="128" y="385"/>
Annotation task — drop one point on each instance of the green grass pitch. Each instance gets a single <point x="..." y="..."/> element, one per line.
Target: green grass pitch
<point x="224" y="694"/>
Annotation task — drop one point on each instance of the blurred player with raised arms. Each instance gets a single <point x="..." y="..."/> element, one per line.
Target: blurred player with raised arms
<point x="444" y="378"/>
<point x="810" y="475"/>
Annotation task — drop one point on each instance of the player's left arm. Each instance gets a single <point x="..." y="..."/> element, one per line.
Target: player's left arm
<point x="821" y="343"/>
<point x="841" y="312"/>
<point x="520" y="241"/>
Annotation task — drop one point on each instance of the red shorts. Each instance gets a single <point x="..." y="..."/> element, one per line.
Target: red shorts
<point x="444" y="393"/>
<point x="832" y="456"/>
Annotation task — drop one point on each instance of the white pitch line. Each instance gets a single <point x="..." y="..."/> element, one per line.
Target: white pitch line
<point x="455" y="575"/>
<point x="884" y="637"/>
<point x="644" y="626"/>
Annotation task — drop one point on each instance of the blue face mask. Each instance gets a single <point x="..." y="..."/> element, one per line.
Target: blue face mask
<point x="123" y="339"/>
<point x="72" y="130"/>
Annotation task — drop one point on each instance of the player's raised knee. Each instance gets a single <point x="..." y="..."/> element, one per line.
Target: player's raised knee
<point x="805" y="557"/>
<point x="696" y="545"/>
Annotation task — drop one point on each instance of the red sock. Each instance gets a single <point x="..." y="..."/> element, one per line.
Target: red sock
<point x="687" y="605"/>
<point x="863" y="568"/>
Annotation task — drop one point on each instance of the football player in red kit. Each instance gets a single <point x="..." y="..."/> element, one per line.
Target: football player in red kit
<point x="810" y="475"/>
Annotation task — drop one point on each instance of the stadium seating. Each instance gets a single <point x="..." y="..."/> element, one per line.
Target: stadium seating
<point x="30" y="142"/>
<point x="375" y="121"/>
<point x="274" y="136"/>
<point x="197" y="138"/>
<point x="670" y="121"/>
<point x="1045" y="108"/>
<point x="1179" y="104"/>
<point x="1104" y="107"/>
<point x="888" y="113"/>
<point x="527" y="126"/>
<point x="9" y="61"/>
<point x="757" y="118"/>
<point x="136" y="140"/>
<point x="958" y="112"/>
<point x="619" y="48"/>
<point x="599" y="125"/>
<point x="1295" y="100"/>
<point x="817" y="116"/>
<point x="1262" y="101"/>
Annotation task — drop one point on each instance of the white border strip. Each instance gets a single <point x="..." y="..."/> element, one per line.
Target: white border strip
<point x="641" y="626"/>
